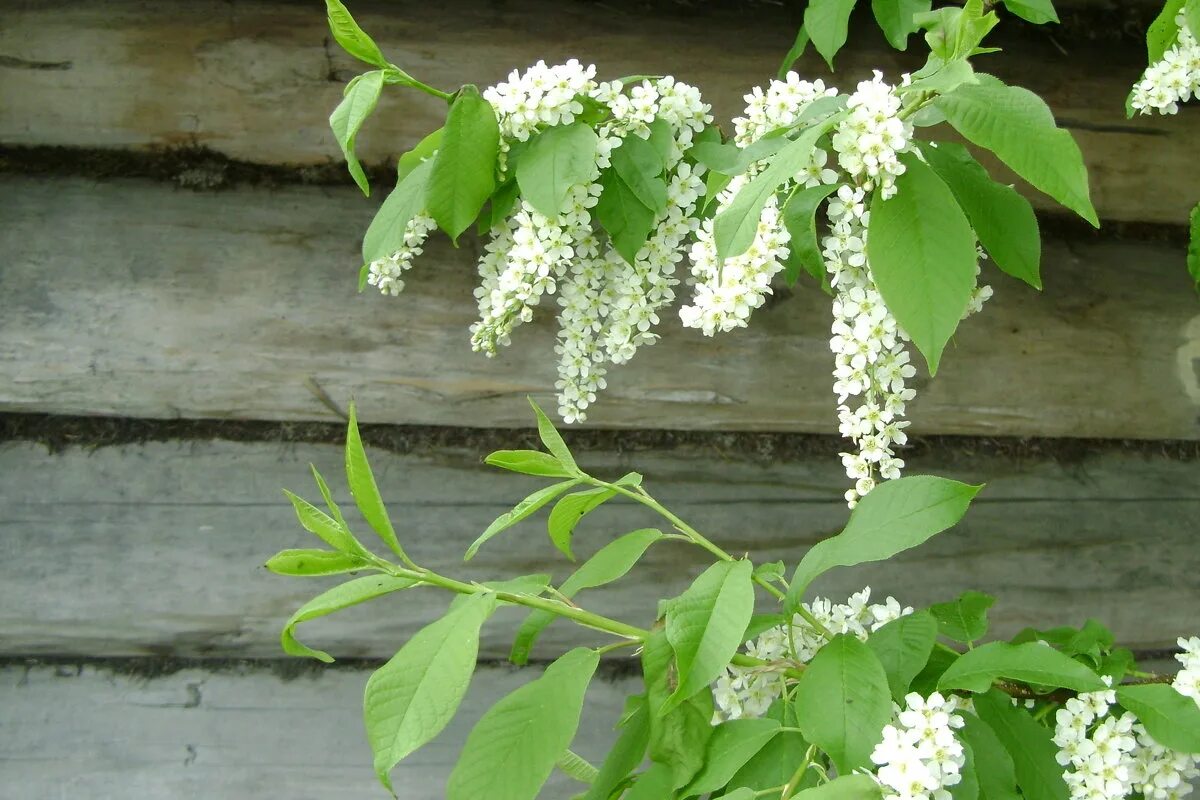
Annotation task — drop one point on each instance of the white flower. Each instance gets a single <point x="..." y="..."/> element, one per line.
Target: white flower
<point x="1175" y="78"/>
<point x="919" y="755"/>
<point x="385" y="273"/>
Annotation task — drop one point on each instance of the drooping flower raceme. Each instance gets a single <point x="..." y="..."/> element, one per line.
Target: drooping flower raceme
<point x="749" y="691"/>
<point x="920" y="757"/>
<point x="386" y="273"/>
<point x="1173" y="79"/>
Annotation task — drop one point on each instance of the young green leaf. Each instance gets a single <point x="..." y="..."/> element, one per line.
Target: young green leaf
<point x="845" y="787"/>
<point x="568" y="512"/>
<point x="464" y="170"/>
<point x="387" y="230"/>
<point x="552" y="439"/>
<point x="1163" y="31"/>
<point x="623" y="214"/>
<point x="1039" y="664"/>
<point x="705" y="625"/>
<point x="411" y="698"/>
<point x="314" y="562"/>
<point x="1002" y="218"/>
<point x="362" y="95"/>
<point x="922" y="253"/>
<point x="800" y="219"/>
<point x="317" y="522"/>
<point x="419" y="155"/>
<point x="610" y="563"/>
<point x="1039" y="12"/>
<point x="1029" y="743"/>
<point x="895" y="18"/>
<point x="964" y="619"/>
<point x="903" y="647"/>
<point x="844" y="702"/>
<point x="894" y="517"/>
<point x="626" y="754"/>
<point x="736" y="226"/>
<point x="1171" y="718"/>
<point x="770" y="571"/>
<point x="558" y="158"/>
<point x="528" y="462"/>
<point x="327" y="496"/>
<point x="577" y="767"/>
<point x="512" y="750"/>
<point x="993" y="765"/>
<point x="1018" y="126"/>
<point x="640" y="166"/>
<point x="351" y="37"/>
<point x="523" y="509"/>
<point x="344" y="595"/>
<point x="363" y="488"/>
<point x="826" y="22"/>
<point x="793" y="54"/>
<point x="954" y="34"/>
<point x="731" y="745"/>
<point x="1193" y="252"/>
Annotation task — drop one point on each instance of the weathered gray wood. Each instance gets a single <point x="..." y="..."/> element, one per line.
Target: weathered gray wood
<point x="134" y="299"/>
<point x="155" y="549"/>
<point x="237" y="734"/>
<point x="256" y="80"/>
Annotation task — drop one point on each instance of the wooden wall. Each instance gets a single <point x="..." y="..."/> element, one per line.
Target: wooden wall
<point x="177" y="262"/>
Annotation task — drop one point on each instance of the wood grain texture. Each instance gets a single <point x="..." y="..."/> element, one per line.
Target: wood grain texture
<point x="133" y="299"/>
<point x="238" y="733"/>
<point x="156" y="549"/>
<point x="256" y="79"/>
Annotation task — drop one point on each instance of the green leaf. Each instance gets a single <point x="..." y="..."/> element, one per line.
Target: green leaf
<point x="1018" y="126"/>
<point x="500" y="206"/>
<point x="552" y="439"/>
<point x="736" y="226"/>
<point x="328" y="498"/>
<point x="1170" y="717"/>
<point x="760" y="623"/>
<point x="362" y="95"/>
<point x="705" y="625"/>
<point x="655" y="783"/>
<point x="927" y="679"/>
<point x="1038" y="12"/>
<point x="731" y="745"/>
<point x="1031" y="662"/>
<point x="800" y="219"/>
<point x="363" y="488"/>
<point x="610" y="563"/>
<point x="317" y="522"/>
<point x="512" y="750"/>
<point x="895" y="18"/>
<point x="742" y="793"/>
<point x="993" y="765"/>
<point x="528" y="585"/>
<point x="411" y="698"/>
<point x="577" y="767"/>
<point x="776" y="762"/>
<point x="1028" y="743"/>
<point x="344" y="595"/>
<point x="967" y="787"/>
<point x="903" y="647"/>
<point x="922" y="254"/>
<point x="387" y="230"/>
<point x="523" y="509"/>
<point x="626" y="754"/>
<point x="793" y="54"/>
<point x="567" y="513"/>
<point x="844" y="702"/>
<point x="826" y="22"/>
<point x="640" y="166"/>
<point x="418" y="155"/>
<point x="314" y="562"/>
<point x="528" y="462"/>
<point x="464" y="169"/>
<point x="964" y="619"/>
<point x="1163" y="31"/>
<point x="662" y="139"/>
<point x="1193" y="252"/>
<point x="770" y="571"/>
<point x="628" y="210"/>
<point x="1117" y="664"/>
<point x="351" y="37"/>
<point x="729" y="159"/>
<point x="894" y="517"/>
<point x="1191" y="17"/>
<point x="678" y="737"/>
<point x="558" y="158"/>
<point x="846" y="787"/>
<point x="954" y="34"/>
<point x="1002" y="218"/>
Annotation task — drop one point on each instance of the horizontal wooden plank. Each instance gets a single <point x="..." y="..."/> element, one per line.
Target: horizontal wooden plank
<point x="156" y="549"/>
<point x="135" y="299"/>
<point x="238" y="733"/>
<point x="256" y="79"/>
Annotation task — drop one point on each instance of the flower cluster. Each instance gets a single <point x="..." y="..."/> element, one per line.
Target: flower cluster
<point x="749" y="691"/>
<point x="870" y="138"/>
<point x="386" y="273"/>
<point x="920" y="757"/>
<point x="1173" y="79"/>
<point x="540" y="97"/>
<point x="1187" y="680"/>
